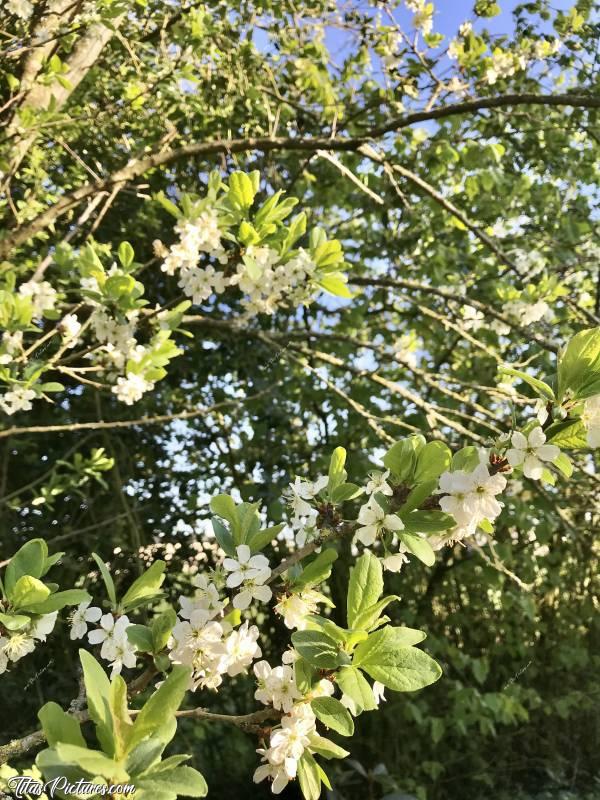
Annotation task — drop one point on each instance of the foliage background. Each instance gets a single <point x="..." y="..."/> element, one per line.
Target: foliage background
<point x="515" y="714"/>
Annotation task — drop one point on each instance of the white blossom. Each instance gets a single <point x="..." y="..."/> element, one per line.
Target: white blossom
<point x="296" y="607"/>
<point x="378" y="692"/>
<point x="109" y="632"/>
<point x="276" y="687"/>
<point x="130" y="389"/>
<point x="591" y="420"/>
<point x="246" y="567"/>
<point x="80" y="617"/>
<point x="18" y="645"/>
<point x="43" y="296"/>
<point x="21" y="8"/>
<point x="377" y="483"/>
<point x="373" y="519"/>
<point x="253" y="589"/>
<point x="241" y="649"/>
<point x="531" y="452"/>
<point x="43" y="626"/>
<point x="122" y="655"/>
<point x="69" y="328"/>
<point x="17" y="399"/>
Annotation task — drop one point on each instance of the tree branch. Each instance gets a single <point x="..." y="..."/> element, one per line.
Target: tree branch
<point x="138" y="166"/>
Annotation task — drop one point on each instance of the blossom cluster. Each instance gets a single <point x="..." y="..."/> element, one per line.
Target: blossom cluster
<point x="111" y="634"/>
<point x="206" y="642"/>
<point x="266" y="280"/>
<point x="16" y="644"/>
<point x="470" y="497"/>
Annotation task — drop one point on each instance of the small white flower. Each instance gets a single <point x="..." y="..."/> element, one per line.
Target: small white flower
<point x="529" y="452"/>
<point x="19" y="645"/>
<point x="20" y="8"/>
<point x="296" y="607"/>
<point x="378" y="692"/>
<point x="80" y="617"/>
<point x="373" y="520"/>
<point x="69" y="328"/>
<point x="591" y="420"/>
<point x="276" y="687"/>
<point x="241" y="649"/>
<point x="109" y="632"/>
<point x="378" y="483"/>
<point x="43" y="626"/>
<point x="130" y="389"/>
<point x="246" y="567"/>
<point x="395" y="562"/>
<point x="18" y="399"/>
<point x="123" y="655"/>
<point x="253" y="589"/>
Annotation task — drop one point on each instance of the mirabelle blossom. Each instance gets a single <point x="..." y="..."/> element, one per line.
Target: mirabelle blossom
<point x="80" y="617"/>
<point x="131" y="388"/>
<point x="17" y="399"/>
<point x="294" y="608"/>
<point x="591" y="420"/>
<point x="531" y="453"/>
<point x="373" y="520"/>
<point x="276" y="686"/>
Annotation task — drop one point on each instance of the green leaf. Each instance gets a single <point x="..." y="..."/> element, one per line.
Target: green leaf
<point x="336" y="285"/>
<point x="317" y="570"/>
<point x="354" y="685"/>
<point x="345" y="491"/>
<point x="224" y="506"/>
<point x="223" y="537"/>
<point x="569" y="434"/>
<point x="126" y="254"/>
<point x="28" y="560"/>
<point x="309" y="777"/>
<point x="106" y="577"/>
<point x="433" y="459"/>
<point x="141" y="637"/>
<point x="401" y="668"/>
<point x="365" y="586"/>
<point x="28" y="591"/>
<point x="384" y="640"/>
<point x="97" y="689"/>
<point x="305" y="676"/>
<point x="162" y="625"/>
<point x="337" y="473"/>
<point x="58" y="726"/>
<point x="319" y="649"/>
<point x="579" y="366"/>
<point x="161" y="706"/>
<point x="122" y="724"/>
<point x="427" y="521"/>
<point x="401" y="458"/>
<point x="418" y="547"/>
<point x="564" y="464"/>
<point x="258" y="541"/>
<point x="466" y="459"/>
<point x="241" y="190"/>
<point x="333" y="715"/>
<point x="540" y="387"/>
<point x="14" y="622"/>
<point x="325" y="748"/>
<point x="58" y="600"/>
<point x="368" y="618"/>
<point x="184" y="781"/>
<point x="417" y="495"/>
<point x="146" y="587"/>
<point x="94" y="762"/>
